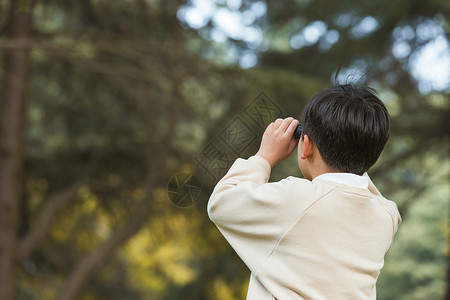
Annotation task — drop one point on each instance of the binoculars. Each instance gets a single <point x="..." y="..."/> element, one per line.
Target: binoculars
<point x="298" y="132"/>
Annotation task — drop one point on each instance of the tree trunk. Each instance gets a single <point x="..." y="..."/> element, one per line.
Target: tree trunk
<point x="11" y="139"/>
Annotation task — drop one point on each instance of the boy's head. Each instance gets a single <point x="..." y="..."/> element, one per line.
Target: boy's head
<point x="349" y="125"/>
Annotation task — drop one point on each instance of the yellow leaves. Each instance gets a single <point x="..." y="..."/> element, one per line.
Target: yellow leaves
<point x="85" y="193"/>
<point x="88" y="209"/>
<point x="444" y="227"/>
<point x="244" y="289"/>
<point x="220" y="290"/>
<point x="59" y="234"/>
<point x="166" y="251"/>
<point x="176" y="259"/>
<point x="90" y="205"/>
<point x="172" y="249"/>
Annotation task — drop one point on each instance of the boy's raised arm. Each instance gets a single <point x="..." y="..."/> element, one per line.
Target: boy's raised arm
<point x="242" y="206"/>
<point x="243" y="203"/>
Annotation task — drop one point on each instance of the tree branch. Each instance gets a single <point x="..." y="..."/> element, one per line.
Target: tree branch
<point x="56" y="203"/>
<point x="92" y="262"/>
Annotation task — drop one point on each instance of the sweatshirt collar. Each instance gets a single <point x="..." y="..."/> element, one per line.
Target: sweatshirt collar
<point x="345" y="178"/>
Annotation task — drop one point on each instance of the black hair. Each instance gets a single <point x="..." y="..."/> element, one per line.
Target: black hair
<point x="350" y="126"/>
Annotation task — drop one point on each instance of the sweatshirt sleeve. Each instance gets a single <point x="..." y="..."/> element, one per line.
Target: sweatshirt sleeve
<point x="251" y="213"/>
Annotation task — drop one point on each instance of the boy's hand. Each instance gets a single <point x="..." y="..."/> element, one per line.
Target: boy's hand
<point x="277" y="142"/>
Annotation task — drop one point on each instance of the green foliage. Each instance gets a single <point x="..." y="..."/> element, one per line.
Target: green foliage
<point x="120" y="95"/>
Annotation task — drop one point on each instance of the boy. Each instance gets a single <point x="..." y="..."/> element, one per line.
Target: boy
<point x="325" y="236"/>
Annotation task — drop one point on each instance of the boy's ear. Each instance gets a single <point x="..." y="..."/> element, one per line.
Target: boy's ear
<point x="307" y="147"/>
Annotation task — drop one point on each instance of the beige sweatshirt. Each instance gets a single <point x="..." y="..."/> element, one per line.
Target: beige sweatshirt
<point x="302" y="239"/>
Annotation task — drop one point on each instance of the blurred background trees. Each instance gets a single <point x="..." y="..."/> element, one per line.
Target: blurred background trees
<point x="116" y="97"/>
